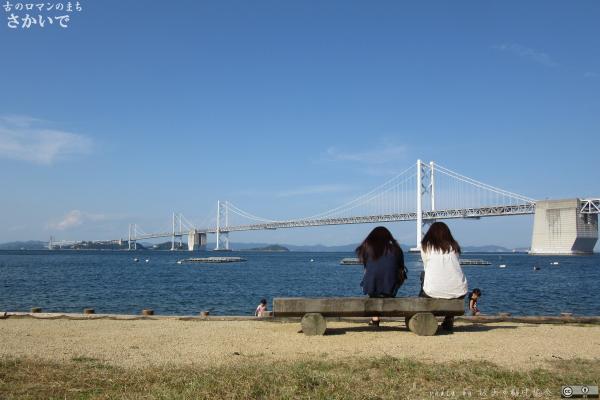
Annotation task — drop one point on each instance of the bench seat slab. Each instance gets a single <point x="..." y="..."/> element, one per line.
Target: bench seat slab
<point x="365" y="306"/>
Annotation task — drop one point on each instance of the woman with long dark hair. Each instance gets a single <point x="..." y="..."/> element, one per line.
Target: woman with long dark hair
<point x="443" y="277"/>
<point x="383" y="263"/>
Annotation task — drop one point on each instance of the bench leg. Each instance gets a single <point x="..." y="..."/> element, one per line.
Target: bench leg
<point x="313" y="324"/>
<point x="423" y="324"/>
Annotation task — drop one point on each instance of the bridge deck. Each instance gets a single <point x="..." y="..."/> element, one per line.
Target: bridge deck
<point x="494" y="211"/>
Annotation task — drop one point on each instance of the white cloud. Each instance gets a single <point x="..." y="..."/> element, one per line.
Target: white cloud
<point x="75" y="218"/>
<point x="314" y="189"/>
<point x="384" y="154"/>
<point x="27" y="139"/>
<point x="527" y="53"/>
<point x="590" y="74"/>
<point x="21" y="121"/>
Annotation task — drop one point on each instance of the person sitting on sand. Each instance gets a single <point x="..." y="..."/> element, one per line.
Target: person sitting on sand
<point x="383" y="262"/>
<point x="261" y="309"/>
<point x="473" y="297"/>
<point x="442" y="277"/>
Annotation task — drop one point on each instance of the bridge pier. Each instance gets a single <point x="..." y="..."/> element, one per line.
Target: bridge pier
<point x="196" y="240"/>
<point x="560" y="227"/>
<point x="222" y="241"/>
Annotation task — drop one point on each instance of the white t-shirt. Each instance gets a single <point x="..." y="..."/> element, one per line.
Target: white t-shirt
<point x="444" y="278"/>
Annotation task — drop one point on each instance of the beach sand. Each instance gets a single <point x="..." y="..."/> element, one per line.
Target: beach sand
<point x="142" y="343"/>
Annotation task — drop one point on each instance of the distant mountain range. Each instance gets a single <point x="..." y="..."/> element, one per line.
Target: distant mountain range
<point x="27" y="245"/>
<point x="348" y="248"/>
<point x="39" y="245"/>
<point x="275" y="248"/>
<point x="291" y="247"/>
<point x="486" y="249"/>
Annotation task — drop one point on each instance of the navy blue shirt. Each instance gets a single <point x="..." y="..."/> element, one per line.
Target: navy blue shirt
<point x="381" y="275"/>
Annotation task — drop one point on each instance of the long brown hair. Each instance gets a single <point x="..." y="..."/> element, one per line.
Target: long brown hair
<point x="379" y="242"/>
<point x="439" y="237"/>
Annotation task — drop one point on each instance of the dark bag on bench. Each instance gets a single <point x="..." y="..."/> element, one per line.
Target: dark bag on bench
<point x="402" y="273"/>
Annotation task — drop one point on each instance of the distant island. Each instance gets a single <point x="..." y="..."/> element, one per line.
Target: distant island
<point x="274" y="248"/>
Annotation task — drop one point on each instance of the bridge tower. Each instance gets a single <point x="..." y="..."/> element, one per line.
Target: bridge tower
<point x="132" y="240"/>
<point x="419" y="206"/>
<point x="222" y="225"/>
<point x="180" y="232"/>
<point x="173" y="234"/>
<point x="425" y="185"/>
<point x="432" y="185"/>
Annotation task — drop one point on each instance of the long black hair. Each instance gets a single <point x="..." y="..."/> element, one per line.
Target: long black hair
<point x="439" y="237"/>
<point x="379" y="242"/>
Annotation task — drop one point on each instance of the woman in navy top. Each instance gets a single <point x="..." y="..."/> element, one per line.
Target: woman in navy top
<point x="383" y="259"/>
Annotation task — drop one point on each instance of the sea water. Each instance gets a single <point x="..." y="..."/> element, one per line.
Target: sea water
<point x="112" y="282"/>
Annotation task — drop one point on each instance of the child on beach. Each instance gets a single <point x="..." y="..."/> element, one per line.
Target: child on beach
<point x="473" y="297"/>
<point x="261" y="309"/>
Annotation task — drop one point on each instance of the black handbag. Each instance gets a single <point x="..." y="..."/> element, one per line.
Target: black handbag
<point x="402" y="274"/>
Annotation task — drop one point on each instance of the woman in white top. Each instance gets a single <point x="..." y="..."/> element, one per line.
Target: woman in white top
<point x="443" y="277"/>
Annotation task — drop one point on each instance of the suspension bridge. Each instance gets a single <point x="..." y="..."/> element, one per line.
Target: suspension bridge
<point x="424" y="192"/>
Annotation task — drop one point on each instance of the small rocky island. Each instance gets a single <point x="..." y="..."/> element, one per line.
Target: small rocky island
<point x="274" y="248"/>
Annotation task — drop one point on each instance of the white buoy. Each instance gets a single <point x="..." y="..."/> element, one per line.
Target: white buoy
<point x="136" y="259"/>
<point x="312" y="260"/>
<point x="502" y="266"/>
<point x="147" y="260"/>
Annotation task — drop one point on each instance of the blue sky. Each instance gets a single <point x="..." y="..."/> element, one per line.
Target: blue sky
<point x="290" y="108"/>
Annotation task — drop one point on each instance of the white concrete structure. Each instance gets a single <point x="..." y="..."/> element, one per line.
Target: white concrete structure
<point x="196" y="240"/>
<point x="560" y="227"/>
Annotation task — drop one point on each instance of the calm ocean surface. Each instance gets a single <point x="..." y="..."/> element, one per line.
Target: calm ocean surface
<point x="111" y="282"/>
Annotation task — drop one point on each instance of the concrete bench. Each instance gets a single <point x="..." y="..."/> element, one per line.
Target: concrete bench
<point x="419" y="312"/>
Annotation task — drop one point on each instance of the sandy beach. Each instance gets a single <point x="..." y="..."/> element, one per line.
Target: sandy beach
<point x="141" y="343"/>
